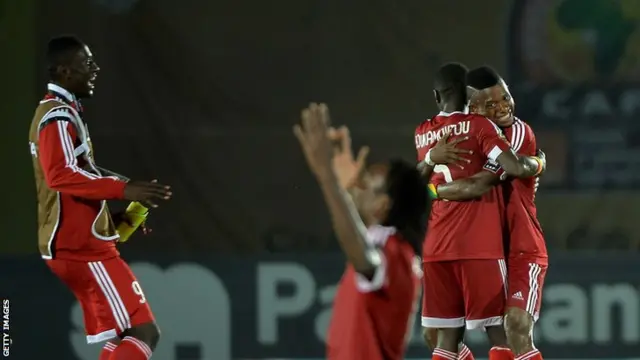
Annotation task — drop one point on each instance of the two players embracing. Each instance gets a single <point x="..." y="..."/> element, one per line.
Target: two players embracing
<point x="483" y="184"/>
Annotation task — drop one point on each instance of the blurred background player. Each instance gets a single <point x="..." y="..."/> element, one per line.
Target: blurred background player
<point x="528" y="259"/>
<point x="380" y="227"/>
<point x="463" y="256"/>
<point x="77" y="235"/>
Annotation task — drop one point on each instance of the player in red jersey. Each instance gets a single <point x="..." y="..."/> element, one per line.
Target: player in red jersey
<point x="378" y="217"/>
<point x="463" y="256"/>
<point x="76" y="232"/>
<point x="528" y="260"/>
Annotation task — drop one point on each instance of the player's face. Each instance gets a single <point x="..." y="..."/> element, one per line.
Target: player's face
<point x="370" y="196"/>
<point x="83" y="72"/>
<point x="496" y="104"/>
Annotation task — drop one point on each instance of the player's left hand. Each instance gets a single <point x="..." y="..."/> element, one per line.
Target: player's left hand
<point x="346" y="168"/>
<point x="447" y="152"/>
<point x="313" y="135"/>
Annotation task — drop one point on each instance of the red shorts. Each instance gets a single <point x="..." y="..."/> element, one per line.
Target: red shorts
<point x="525" y="283"/>
<point x="463" y="292"/>
<point x="111" y="297"/>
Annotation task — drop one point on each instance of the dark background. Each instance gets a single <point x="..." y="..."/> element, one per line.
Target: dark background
<point x="202" y="95"/>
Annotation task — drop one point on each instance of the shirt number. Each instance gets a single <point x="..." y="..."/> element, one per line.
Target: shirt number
<point x="138" y="291"/>
<point x="444" y="170"/>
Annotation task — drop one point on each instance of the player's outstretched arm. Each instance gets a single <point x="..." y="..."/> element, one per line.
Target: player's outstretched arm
<point x="467" y="189"/>
<point x="319" y="152"/>
<point x="108" y="172"/>
<point x="520" y="166"/>
<point x="61" y="170"/>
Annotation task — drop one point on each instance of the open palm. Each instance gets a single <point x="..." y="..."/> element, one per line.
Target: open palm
<point x="347" y="168"/>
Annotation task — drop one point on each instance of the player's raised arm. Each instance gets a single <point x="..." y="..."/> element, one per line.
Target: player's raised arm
<point x="350" y="230"/>
<point x="60" y="166"/>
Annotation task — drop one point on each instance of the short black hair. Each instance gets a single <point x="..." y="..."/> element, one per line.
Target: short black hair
<point x="59" y="50"/>
<point x="410" y="207"/>
<point x="483" y="77"/>
<point x="451" y="80"/>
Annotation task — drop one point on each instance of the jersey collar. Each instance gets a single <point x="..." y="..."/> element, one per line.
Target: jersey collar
<point x="62" y="93"/>
<point x="464" y="112"/>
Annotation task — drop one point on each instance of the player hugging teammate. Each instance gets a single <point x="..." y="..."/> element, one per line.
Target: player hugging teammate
<point x="465" y="279"/>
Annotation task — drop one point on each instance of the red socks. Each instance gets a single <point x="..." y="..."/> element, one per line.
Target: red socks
<point x="107" y="350"/>
<point x="131" y="348"/>
<point x="500" y="353"/>
<point x="439" y="354"/>
<point x="531" y="355"/>
<point x="464" y="353"/>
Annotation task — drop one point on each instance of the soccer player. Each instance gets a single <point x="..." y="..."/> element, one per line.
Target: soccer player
<point x="379" y="224"/>
<point x="463" y="255"/>
<point x="76" y="234"/>
<point x="528" y="260"/>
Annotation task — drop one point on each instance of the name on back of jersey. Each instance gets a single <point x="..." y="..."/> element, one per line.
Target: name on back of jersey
<point x="430" y="137"/>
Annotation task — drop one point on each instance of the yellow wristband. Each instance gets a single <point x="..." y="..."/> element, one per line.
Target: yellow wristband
<point x="539" y="161"/>
<point x="433" y="191"/>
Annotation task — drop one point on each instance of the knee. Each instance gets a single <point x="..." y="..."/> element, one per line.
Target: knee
<point x="148" y="333"/>
<point x="154" y="336"/>
<point x="518" y="322"/>
<point x="496" y="336"/>
<point x="430" y="336"/>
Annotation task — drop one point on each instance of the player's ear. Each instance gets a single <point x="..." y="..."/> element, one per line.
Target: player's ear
<point x="63" y="71"/>
<point x="436" y="95"/>
<point x="383" y="206"/>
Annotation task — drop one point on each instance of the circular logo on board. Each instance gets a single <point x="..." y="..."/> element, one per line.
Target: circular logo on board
<point x="574" y="41"/>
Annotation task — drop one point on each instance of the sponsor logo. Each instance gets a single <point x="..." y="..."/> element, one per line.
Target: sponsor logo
<point x="574" y="41"/>
<point x="518" y="296"/>
<point x="575" y="59"/>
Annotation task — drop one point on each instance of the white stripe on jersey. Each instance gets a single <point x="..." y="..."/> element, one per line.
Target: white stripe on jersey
<point x="518" y="133"/>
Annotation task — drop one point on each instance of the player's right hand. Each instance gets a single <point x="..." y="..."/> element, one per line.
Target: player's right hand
<point x="445" y="152"/>
<point x="147" y="192"/>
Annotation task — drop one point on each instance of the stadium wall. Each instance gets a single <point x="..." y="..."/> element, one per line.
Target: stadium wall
<point x="279" y="306"/>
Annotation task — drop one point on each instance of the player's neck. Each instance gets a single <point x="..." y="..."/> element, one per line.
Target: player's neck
<point x="451" y="108"/>
<point x="370" y="221"/>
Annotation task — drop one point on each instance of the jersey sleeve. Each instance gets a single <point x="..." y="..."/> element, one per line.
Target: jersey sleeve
<point x="490" y="138"/>
<point x="523" y="142"/>
<point x="377" y="238"/>
<point x="60" y="166"/>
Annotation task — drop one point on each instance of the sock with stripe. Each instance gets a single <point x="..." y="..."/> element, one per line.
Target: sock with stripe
<point x="464" y="353"/>
<point x="439" y="354"/>
<point x="107" y="349"/>
<point x="131" y="348"/>
<point x="531" y="355"/>
<point x="500" y="353"/>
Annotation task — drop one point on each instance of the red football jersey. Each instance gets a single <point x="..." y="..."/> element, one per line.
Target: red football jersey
<point x="372" y="318"/>
<point x="74" y="220"/>
<point x="526" y="236"/>
<point x="469" y="229"/>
